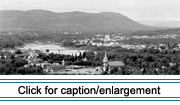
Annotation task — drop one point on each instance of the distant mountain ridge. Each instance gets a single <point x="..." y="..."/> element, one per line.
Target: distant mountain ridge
<point x="161" y="23"/>
<point x="69" y="21"/>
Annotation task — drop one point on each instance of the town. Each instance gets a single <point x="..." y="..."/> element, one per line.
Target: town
<point x="100" y="54"/>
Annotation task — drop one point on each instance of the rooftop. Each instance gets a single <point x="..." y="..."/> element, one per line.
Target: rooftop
<point x="116" y="63"/>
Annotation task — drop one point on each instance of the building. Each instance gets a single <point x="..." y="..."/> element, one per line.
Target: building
<point x="105" y="63"/>
<point x="54" y="67"/>
<point x="73" y="67"/>
<point x="109" y="65"/>
<point x="115" y="64"/>
<point x="63" y="63"/>
<point x="45" y="66"/>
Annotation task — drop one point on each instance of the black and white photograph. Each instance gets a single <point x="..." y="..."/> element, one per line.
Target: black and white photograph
<point x="89" y="37"/>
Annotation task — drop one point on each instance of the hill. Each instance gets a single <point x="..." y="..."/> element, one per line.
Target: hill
<point x="161" y="23"/>
<point x="68" y="21"/>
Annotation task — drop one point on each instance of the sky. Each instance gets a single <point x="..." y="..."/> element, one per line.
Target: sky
<point x="134" y="9"/>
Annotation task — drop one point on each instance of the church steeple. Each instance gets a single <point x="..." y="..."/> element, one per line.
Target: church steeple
<point x="105" y="59"/>
<point x="105" y="62"/>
